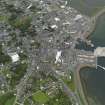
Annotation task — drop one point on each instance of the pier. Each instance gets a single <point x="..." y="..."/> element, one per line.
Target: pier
<point x="99" y="52"/>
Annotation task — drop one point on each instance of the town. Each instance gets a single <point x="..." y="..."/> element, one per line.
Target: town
<point x="38" y="54"/>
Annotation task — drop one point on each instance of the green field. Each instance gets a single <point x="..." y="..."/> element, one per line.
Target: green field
<point x="7" y="99"/>
<point x="59" y="99"/>
<point x="40" y="97"/>
<point x="10" y="101"/>
<point x="69" y="82"/>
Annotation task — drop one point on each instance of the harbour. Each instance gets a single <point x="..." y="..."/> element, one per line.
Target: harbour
<point x="90" y="80"/>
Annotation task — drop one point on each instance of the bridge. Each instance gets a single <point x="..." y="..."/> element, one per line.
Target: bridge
<point x="101" y="67"/>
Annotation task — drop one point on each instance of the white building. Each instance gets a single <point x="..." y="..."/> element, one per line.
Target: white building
<point x="14" y="56"/>
<point x="57" y="19"/>
<point x="54" y="26"/>
<point x="58" y="55"/>
<point x="78" y="17"/>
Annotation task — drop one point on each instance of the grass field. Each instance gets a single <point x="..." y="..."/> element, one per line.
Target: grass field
<point x="10" y="101"/>
<point x="7" y="99"/>
<point x="70" y="82"/>
<point x="40" y="97"/>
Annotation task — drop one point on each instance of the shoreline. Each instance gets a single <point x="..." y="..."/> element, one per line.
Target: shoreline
<point x="93" y="21"/>
<point x="78" y="82"/>
<point x="77" y="78"/>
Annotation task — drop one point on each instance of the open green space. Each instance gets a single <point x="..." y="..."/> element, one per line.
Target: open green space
<point x="40" y="97"/>
<point x="17" y="73"/>
<point x="10" y="101"/>
<point x="7" y="99"/>
<point x="70" y="82"/>
<point x="59" y="99"/>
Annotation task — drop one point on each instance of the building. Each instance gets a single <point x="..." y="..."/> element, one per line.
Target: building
<point x="14" y="56"/>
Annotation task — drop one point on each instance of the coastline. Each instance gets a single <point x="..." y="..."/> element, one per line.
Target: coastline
<point x="77" y="78"/>
<point x="78" y="83"/>
<point x="93" y="21"/>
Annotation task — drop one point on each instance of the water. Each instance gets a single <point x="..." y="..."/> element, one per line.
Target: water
<point x="98" y="36"/>
<point x="93" y="83"/>
<point x="88" y="7"/>
<point x="93" y="80"/>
